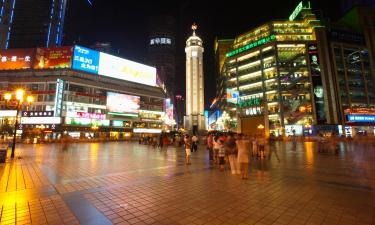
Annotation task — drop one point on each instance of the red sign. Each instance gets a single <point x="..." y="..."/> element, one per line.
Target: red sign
<point x="360" y="111"/>
<point x="14" y="59"/>
<point x="91" y="115"/>
<point x="53" y="58"/>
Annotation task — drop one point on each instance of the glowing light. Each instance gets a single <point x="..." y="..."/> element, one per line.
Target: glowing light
<point x="19" y="94"/>
<point x="7" y="96"/>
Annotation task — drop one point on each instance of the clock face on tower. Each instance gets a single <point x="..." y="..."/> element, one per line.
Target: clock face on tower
<point x="194" y="53"/>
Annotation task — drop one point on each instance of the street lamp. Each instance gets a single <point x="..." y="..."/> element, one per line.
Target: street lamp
<point x="16" y="102"/>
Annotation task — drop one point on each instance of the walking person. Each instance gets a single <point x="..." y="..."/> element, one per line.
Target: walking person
<point x="210" y="146"/>
<point x="231" y="152"/>
<point x="187" y="149"/>
<point x="216" y="146"/>
<point x="194" y="140"/>
<point x="243" y="155"/>
<point x="221" y="153"/>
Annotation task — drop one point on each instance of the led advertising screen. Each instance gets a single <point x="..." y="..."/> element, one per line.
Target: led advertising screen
<point x="121" y="104"/>
<point x="53" y="58"/>
<point x="123" y="69"/>
<point x="85" y="59"/>
<point x="14" y="59"/>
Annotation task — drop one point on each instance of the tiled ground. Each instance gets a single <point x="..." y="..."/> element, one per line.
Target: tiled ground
<point x="127" y="183"/>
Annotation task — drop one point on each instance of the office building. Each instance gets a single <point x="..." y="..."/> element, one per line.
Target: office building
<point x="28" y="24"/>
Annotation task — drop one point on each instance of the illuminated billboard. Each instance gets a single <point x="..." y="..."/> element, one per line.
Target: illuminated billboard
<point x="121" y="104"/>
<point x="14" y="59"/>
<point x="123" y="69"/>
<point x="53" y="58"/>
<point x="85" y="59"/>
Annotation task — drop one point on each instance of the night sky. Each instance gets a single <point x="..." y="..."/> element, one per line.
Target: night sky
<point x="125" y="23"/>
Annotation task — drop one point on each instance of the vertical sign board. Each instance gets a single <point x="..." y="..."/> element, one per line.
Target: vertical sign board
<point x="59" y="97"/>
<point x="317" y="83"/>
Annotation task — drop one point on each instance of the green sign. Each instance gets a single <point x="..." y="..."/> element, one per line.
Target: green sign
<point x="86" y="122"/>
<point x="251" y="45"/>
<point x="297" y="10"/>
<point x="249" y="102"/>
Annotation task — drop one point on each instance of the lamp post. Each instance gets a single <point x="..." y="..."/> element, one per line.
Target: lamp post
<point x="16" y="102"/>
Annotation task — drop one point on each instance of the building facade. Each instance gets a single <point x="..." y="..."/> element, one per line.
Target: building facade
<point x="28" y="24"/>
<point x="296" y="77"/>
<point x="194" y="118"/>
<point x="76" y="95"/>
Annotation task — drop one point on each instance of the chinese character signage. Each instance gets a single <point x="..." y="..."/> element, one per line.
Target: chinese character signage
<point x="86" y="59"/>
<point x="161" y="41"/>
<point x="361" y="118"/>
<point x="53" y="58"/>
<point x="14" y="59"/>
<point x="123" y="69"/>
<point x="37" y="113"/>
<point x="59" y="97"/>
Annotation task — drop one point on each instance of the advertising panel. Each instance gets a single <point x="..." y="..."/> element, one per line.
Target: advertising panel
<point x="232" y="95"/>
<point x="37" y="113"/>
<point x="121" y="104"/>
<point x="85" y="59"/>
<point x="40" y="120"/>
<point x="53" y="58"/>
<point x="86" y="115"/>
<point x="86" y="122"/>
<point x="361" y="118"/>
<point x="14" y="59"/>
<point x="317" y="83"/>
<point x="291" y="130"/>
<point x="168" y="106"/>
<point x="123" y="69"/>
<point x="8" y="113"/>
<point x="145" y="130"/>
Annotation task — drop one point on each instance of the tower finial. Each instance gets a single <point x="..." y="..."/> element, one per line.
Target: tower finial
<point x="194" y="27"/>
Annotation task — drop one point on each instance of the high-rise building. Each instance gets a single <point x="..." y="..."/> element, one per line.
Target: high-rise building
<point x="37" y="23"/>
<point x="300" y="76"/>
<point x="194" y="118"/>
<point x="162" y="49"/>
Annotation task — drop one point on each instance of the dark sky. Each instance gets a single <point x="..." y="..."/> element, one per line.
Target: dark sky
<point x="124" y="24"/>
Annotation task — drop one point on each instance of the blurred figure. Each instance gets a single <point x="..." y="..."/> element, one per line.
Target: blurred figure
<point x="210" y="146"/>
<point x="194" y="140"/>
<point x="243" y="155"/>
<point x="221" y="152"/>
<point x="231" y="152"/>
<point x="261" y="143"/>
<point x="216" y="146"/>
<point x="187" y="149"/>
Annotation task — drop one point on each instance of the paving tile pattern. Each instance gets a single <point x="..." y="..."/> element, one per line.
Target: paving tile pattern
<point x="129" y="183"/>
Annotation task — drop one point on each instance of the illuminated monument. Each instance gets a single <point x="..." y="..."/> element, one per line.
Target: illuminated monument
<point x="194" y="118"/>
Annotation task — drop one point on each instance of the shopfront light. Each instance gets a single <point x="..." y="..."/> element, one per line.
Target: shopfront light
<point x="7" y="96"/>
<point x="19" y="94"/>
<point x="30" y="99"/>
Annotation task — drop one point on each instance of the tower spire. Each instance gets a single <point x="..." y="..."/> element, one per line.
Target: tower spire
<point x="194" y="27"/>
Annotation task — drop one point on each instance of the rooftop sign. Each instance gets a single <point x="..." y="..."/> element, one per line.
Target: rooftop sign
<point x="251" y="45"/>
<point x="297" y="10"/>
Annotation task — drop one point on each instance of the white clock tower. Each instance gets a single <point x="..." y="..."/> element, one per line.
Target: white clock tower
<point x="194" y="118"/>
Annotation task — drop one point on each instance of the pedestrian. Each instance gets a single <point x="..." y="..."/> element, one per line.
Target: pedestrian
<point x="187" y="149"/>
<point x="243" y="155"/>
<point x="161" y="141"/>
<point x="210" y="146"/>
<point x="221" y="152"/>
<point x="216" y="146"/>
<point x="231" y="152"/>
<point x="194" y="140"/>
<point x="261" y="144"/>
<point x="254" y="146"/>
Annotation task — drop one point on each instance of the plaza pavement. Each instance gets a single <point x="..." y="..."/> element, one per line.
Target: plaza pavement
<point x="128" y="183"/>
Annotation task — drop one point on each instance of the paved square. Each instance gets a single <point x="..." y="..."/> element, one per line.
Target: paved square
<point x="128" y="183"/>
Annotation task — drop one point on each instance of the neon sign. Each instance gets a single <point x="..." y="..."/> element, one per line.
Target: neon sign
<point x="251" y="45"/>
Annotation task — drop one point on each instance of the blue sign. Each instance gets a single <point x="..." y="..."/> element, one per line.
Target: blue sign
<point x="361" y="118"/>
<point x="86" y="59"/>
